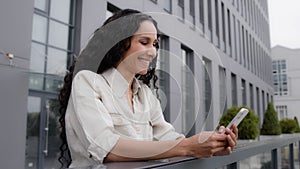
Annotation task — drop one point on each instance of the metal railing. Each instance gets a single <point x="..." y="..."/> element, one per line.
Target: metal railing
<point x="274" y="153"/>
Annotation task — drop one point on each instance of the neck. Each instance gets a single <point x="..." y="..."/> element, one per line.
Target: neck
<point x="128" y="76"/>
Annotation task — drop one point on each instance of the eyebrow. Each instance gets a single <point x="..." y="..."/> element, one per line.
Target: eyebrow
<point x="147" y="38"/>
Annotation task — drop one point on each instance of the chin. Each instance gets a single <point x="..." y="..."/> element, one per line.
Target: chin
<point x="143" y="72"/>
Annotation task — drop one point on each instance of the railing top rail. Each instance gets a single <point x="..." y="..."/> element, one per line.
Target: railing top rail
<point x="242" y="151"/>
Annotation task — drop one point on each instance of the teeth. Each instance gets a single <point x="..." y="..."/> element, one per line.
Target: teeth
<point x="144" y="60"/>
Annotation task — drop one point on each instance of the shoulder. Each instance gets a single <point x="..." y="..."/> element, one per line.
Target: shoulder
<point x="87" y="76"/>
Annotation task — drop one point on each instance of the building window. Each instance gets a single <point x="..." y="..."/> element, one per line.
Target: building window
<point x="209" y="16"/>
<point x="279" y="77"/>
<point x="222" y="89"/>
<point x="162" y="69"/>
<point x="251" y="96"/>
<point x="243" y="46"/>
<point x="52" y="43"/>
<point x="188" y="96"/>
<point x="181" y="9"/>
<point x="235" y="38"/>
<point x="223" y="26"/>
<point x="263" y="100"/>
<point x="281" y="111"/>
<point x="229" y="32"/>
<point x="154" y="1"/>
<point x="167" y="5"/>
<point x="258" y="101"/>
<point x="111" y="9"/>
<point x="192" y="11"/>
<point x="244" y="92"/>
<point x="217" y="22"/>
<point x="201" y="14"/>
<point x="207" y="86"/>
<point x="233" y="90"/>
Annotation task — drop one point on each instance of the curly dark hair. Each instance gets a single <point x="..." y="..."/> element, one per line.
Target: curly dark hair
<point x="111" y="58"/>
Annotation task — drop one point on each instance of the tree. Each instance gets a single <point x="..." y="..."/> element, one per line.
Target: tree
<point x="297" y="123"/>
<point x="270" y="124"/>
<point x="288" y="125"/>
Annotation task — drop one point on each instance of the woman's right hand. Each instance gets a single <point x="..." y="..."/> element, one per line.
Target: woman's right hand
<point x="206" y="144"/>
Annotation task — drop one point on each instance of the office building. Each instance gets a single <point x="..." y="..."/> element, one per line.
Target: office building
<point x="286" y="76"/>
<point x="214" y="54"/>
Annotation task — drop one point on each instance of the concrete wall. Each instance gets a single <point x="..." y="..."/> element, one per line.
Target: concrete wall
<point x="15" y="38"/>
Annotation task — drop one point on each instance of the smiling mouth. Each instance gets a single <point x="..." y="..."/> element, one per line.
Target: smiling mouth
<point x="145" y="61"/>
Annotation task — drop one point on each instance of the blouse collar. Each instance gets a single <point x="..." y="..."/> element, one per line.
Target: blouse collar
<point x="118" y="83"/>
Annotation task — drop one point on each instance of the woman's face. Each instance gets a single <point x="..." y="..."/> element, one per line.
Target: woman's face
<point x="142" y="50"/>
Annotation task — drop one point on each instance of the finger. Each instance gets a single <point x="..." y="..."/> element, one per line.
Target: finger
<point x="235" y="131"/>
<point x="230" y="142"/>
<point x="221" y="129"/>
<point x="225" y="151"/>
<point x="232" y="133"/>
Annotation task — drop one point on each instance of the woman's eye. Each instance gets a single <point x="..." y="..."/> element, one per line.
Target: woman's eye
<point x="144" y="43"/>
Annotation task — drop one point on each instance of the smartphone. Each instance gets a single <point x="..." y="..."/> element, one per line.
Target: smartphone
<point x="238" y="118"/>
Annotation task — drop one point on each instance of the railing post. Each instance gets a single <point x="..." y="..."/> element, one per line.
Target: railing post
<point x="233" y="166"/>
<point x="299" y="153"/>
<point x="292" y="164"/>
<point x="274" y="159"/>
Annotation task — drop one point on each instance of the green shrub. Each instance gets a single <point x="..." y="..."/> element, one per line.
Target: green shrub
<point x="288" y="125"/>
<point x="248" y="128"/>
<point x="270" y="124"/>
<point x="297" y="123"/>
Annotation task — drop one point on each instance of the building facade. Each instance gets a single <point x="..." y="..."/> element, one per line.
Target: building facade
<point x="213" y="54"/>
<point x="286" y="75"/>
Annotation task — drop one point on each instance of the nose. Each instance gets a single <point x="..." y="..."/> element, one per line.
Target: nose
<point x="151" y="52"/>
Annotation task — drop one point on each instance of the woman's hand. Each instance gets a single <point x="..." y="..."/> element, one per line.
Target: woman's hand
<point x="232" y="135"/>
<point x="211" y="143"/>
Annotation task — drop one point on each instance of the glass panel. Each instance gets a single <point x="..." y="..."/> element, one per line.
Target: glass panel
<point x="167" y="5"/>
<point x="108" y="14"/>
<point x="60" y="9"/>
<point x="36" y="81"/>
<point x="56" y="61"/>
<point x="52" y="139"/>
<point x="53" y="83"/>
<point x="284" y="157"/>
<point x="37" y="59"/>
<point x="41" y="4"/>
<point x="32" y="132"/>
<point x="39" y="30"/>
<point x="258" y="161"/>
<point x="58" y="35"/>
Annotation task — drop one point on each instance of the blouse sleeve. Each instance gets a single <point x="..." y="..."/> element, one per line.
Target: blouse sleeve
<point x="92" y="122"/>
<point x="162" y="130"/>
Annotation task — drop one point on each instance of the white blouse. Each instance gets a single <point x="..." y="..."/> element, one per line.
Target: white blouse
<point x="98" y="114"/>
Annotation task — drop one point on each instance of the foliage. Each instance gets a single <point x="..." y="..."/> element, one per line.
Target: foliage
<point x="270" y="124"/>
<point x="288" y="125"/>
<point x="266" y="165"/>
<point x="248" y="128"/>
<point x="297" y="123"/>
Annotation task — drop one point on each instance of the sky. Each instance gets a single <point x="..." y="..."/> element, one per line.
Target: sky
<point x="284" y="19"/>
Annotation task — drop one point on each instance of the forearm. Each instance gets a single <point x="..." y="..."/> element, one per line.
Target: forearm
<point x="132" y="150"/>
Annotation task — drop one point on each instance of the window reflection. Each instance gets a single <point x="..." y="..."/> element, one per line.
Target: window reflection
<point x="58" y="35"/>
<point x="39" y="30"/>
<point x="37" y="61"/>
<point x="56" y="61"/>
<point x="40" y="4"/>
<point x="60" y="10"/>
<point x="32" y="132"/>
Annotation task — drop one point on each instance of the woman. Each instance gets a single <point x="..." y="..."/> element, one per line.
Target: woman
<point x="112" y="115"/>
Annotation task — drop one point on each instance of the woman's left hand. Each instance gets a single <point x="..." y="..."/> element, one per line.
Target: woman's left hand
<point x="232" y="135"/>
